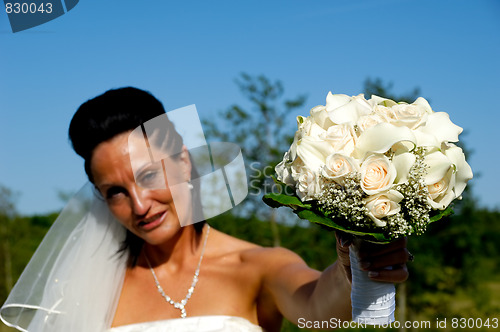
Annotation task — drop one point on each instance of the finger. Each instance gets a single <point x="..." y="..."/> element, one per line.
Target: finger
<point x="368" y="250"/>
<point x="398" y="257"/>
<point x="397" y="275"/>
<point x="343" y="239"/>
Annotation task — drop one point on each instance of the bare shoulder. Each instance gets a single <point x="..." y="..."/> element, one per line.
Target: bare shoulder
<point x="264" y="259"/>
<point x="227" y="244"/>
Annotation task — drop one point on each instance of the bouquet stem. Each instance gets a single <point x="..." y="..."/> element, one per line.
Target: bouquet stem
<point x="373" y="302"/>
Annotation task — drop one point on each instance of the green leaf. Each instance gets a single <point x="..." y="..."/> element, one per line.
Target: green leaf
<point x="316" y="218"/>
<point x="276" y="200"/>
<point x="441" y="214"/>
<point x="304" y="211"/>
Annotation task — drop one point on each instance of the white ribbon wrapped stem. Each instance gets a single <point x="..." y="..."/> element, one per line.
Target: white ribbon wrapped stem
<point x="373" y="302"/>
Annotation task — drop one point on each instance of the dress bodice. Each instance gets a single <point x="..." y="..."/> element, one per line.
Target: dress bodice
<point x="193" y="324"/>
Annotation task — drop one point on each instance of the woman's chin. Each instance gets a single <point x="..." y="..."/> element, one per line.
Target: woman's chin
<point x="161" y="234"/>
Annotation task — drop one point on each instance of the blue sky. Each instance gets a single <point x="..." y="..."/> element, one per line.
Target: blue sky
<point x="190" y="52"/>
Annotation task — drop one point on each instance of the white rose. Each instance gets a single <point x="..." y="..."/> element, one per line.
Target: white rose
<point x="344" y="109"/>
<point x="404" y="115"/>
<point x="284" y="171"/>
<point x="368" y="121"/>
<point x="383" y="205"/>
<point x="377" y="174"/>
<point x="341" y="137"/>
<point x="337" y="166"/>
<point x="308" y="184"/>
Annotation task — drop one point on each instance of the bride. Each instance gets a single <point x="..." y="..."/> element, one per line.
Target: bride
<point x="132" y="253"/>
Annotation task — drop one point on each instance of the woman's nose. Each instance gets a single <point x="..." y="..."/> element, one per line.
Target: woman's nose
<point x="140" y="201"/>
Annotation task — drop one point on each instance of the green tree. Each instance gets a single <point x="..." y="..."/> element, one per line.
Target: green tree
<point x="261" y="131"/>
<point x="7" y="213"/>
<point x="377" y="87"/>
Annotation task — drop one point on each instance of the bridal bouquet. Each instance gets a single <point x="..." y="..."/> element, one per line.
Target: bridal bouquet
<point x="374" y="168"/>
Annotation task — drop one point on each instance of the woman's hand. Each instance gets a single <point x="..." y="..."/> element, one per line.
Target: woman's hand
<point x="385" y="262"/>
<point x="343" y="242"/>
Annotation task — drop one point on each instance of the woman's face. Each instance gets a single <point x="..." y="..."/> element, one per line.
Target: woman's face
<point x="147" y="212"/>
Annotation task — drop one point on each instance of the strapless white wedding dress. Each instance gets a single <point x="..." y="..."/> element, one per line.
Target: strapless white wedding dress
<point x="193" y="324"/>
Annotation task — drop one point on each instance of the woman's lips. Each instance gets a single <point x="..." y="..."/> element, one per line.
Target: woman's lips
<point x="152" y="222"/>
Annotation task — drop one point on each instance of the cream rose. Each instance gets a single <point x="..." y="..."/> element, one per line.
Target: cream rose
<point x="337" y="166"/>
<point x="440" y="192"/>
<point x="377" y="174"/>
<point x="368" y="121"/>
<point x="383" y="205"/>
<point x="405" y="115"/>
<point x="341" y="137"/>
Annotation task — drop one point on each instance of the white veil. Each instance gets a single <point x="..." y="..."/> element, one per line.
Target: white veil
<point x="73" y="281"/>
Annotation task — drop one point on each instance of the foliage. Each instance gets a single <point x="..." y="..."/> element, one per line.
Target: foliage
<point x="455" y="273"/>
<point x="23" y="234"/>
<point x="379" y="88"/>
<point x="260" y="129"/>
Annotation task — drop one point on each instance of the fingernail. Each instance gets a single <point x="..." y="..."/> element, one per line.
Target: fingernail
<point x="372" y="274"/>
<point x="343" y="242"/>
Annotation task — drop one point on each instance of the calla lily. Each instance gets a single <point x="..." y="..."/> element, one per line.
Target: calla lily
<point x="438" y="165"/>
<point x="377" y="100"/>
<point x="403" y="162"/>
<point x="426" y="139"/>
<point x="313" y="152"/>
<point x="336" y="101"/>
<point x="350" y="112"/>
<point x="440" y="126"/>
<point x="380" y="138"/>
<point x="422" y="102"/>
<point x="463" y="171"/>
<point x="320" y="117"/>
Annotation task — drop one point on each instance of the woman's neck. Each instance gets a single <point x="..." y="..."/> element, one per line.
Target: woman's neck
<point x="184" y="247"/>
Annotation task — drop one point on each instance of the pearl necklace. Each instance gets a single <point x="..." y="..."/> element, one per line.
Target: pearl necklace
<point x="180" y="305"/>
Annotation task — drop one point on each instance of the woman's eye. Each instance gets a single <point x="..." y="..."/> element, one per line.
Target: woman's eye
<point x="114" y="192"/>
<point x="150" y="179"/>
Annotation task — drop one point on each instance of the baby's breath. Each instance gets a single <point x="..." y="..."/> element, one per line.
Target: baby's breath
<point x="414" y="206"/>
<point x="345" y="202"/>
